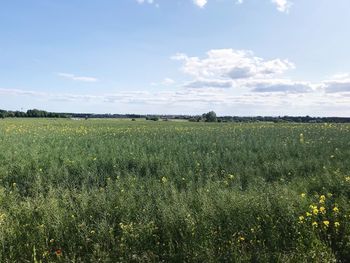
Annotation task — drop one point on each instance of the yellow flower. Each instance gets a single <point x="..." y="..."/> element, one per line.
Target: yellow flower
<point x="326" y="223"/>
<point x="322" y="199"/>
<point x="303" y="195"/>
<point x="164" y="179"/>
<point x="347" y="179"/>
<point x="336" y="224"/>
<point x="315" y="211"/>
<point x="336" y="209"/>
<point x="308" y="214"/>
<point x="314" y="224"/>
<point x="301" y="218"/>
<point x="322" y="210"/>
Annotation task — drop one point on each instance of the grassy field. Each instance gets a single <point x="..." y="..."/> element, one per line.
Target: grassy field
<point x="123" y="191"/>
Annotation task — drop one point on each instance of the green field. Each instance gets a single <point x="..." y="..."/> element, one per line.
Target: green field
<point x="123" y="191"/>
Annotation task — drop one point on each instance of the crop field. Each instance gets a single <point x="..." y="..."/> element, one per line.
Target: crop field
<point x="144" y="191"/>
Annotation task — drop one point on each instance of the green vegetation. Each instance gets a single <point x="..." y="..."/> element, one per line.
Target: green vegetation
<point x="123" y="191"/>
<point x="210" y="117"/>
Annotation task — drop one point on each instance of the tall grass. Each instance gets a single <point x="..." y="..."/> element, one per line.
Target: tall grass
<point x="122" y="191"/>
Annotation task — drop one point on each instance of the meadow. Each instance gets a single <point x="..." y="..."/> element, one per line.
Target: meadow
<point x="144" y="191"/>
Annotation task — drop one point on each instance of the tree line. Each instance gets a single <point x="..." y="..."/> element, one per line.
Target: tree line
<point x="206" y="117"/>
<point x="31" y="114"/>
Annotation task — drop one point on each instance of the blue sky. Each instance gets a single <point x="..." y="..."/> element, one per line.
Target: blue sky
<point x="250" y="57"/>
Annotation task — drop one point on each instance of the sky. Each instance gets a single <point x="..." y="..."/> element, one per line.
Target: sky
<point x="236" y="57"/>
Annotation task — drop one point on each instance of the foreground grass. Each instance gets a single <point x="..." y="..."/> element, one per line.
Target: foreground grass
<point x="122" y="191"/>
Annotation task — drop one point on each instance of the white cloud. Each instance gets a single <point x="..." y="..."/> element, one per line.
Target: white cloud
<point x="232" y="64"/>
<point x="209" y="83"/>
<point x="239" y="69"/>
<point x="168" y="81"/>
<point x="145" y="1"/>
<point x="338" y="83"/>
<point x="282" y="5"/>
<point x="337" y="87"/>
<point x="341" y="76"/>
<point x="151" y="2"/>
<point x="200" y="3"/>
<point x="281" y="86"/>
<point x="77" y="78"/>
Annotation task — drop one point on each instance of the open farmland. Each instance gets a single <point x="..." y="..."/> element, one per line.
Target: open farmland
<point x="123" y="191"/>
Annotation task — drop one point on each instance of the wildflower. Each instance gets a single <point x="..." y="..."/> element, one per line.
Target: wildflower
<point x="315" y="211"/>
<point x="314" y="224"/>
<point x="241" y="238"/>
<point x="322" y="210"/>
<point x="312" y="207"/>
<point x="322" y="199"/>
<point x="329" y="195"/>
<point x="58" y="252"/>
<point x="301" y="138"/>
<point x="308" y="214"/>
<point x="326" y="223"/>
<point x="164" y="179"/>
<point x="347" y="179"/>
<point x="336" y="209"/>
<point x="303" y="195"/>
<point x="336" y="224"/>
<point x="301" y="219"/>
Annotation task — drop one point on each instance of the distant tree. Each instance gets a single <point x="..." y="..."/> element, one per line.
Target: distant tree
<point x="210" y="116"/>
<point x="10" y="114"/>
<point x="152" y="118"/>
<point x="35" y="113"/>
<point x="195" y="119"/>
